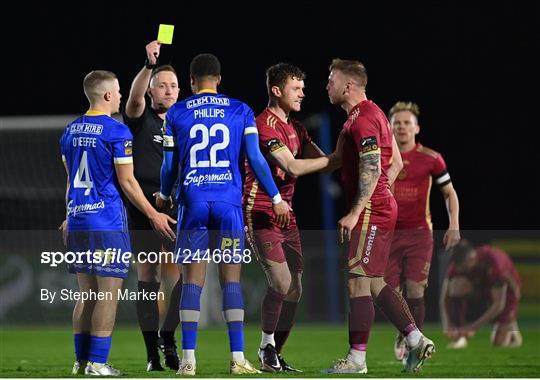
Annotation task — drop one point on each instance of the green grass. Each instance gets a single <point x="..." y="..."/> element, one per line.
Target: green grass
<point x="37" y="352"/>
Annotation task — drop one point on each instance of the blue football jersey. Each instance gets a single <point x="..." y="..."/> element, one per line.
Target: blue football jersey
<point x="207" y="131"/>
<point x="91" y="146"/>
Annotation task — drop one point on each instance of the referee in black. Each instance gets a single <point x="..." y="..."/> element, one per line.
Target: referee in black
<point x="153" y="91"/>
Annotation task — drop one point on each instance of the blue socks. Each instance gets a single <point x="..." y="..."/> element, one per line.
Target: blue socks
<point x="100" y="346"/>
<point x="190" y="310"/>
<point x="233" y="312"/>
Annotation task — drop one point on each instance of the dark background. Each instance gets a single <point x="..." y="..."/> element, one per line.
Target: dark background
<point x="470" y="67"/>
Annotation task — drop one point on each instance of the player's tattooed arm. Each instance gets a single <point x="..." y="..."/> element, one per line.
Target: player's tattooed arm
<point x="369" y="171"/>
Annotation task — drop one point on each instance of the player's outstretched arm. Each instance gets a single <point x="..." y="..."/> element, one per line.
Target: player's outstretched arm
<point x="296" y="167"/>
<point x="397" y="163"/>
<point x="264" y="176"/>
<point x="130" y="186"/>
<point x="452" y="236"/>
<point x="136" y="103"/>
<point x="498" y="296"/>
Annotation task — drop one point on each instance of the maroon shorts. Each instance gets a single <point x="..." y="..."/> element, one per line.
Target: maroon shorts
<point x="410" y="256"/>
<point x="369" y="248"/>
<point x="509" y="313"/>
<point x="273" y="243"/>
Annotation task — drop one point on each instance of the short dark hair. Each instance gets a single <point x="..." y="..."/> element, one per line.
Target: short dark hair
<point x="204" y="65"/>
<point x="461" y="251"/>
<point x="161" y="68"/>
<point x="278" y="74"/>
<point x="351" y="68"/>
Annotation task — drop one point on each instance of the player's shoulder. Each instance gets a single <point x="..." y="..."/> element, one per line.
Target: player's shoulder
<point x="370" y="110"/>
<point x="427" y="151"/>
<point x="233" y="101"/>
<point x="365" y="113"/>
<point x="118" y="129"/>
<point x="115" y="123"/>
<point x="180" y="109"/>
<point x="266" y="119"/>
<point x="238" y="104"/>
<point x="177" y="107"/>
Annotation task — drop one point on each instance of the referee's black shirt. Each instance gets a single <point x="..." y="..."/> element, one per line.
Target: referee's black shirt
<point x="147" y="148"/>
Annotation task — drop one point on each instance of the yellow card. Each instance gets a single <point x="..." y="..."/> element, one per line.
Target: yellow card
<point x="165" y="34"/>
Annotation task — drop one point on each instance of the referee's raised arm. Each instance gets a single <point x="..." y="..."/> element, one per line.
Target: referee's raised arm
<point x="136" y="102"/>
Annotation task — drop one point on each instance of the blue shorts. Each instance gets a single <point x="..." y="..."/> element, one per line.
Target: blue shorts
<point x="103" y="253"/>
<point x="210" y="231"/>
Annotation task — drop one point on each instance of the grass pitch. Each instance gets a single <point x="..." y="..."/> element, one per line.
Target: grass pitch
<point x="39" y="352"/>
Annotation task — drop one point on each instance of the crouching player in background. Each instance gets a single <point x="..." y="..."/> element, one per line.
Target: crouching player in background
<point x="476" y="274"/>
<point x="203" y="142"/>
<point x="97" y="155"/>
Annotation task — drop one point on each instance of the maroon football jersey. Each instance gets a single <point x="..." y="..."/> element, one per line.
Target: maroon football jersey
<point x="421" y="166"/>
<point x="366" y="130"/>
<point x="274" y="135"/>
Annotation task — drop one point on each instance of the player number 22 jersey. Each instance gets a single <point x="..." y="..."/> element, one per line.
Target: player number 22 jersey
<point x="206" y="132"/>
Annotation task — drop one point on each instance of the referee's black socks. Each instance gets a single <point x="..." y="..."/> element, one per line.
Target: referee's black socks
<point x="148" y="317"/>
<point x="172" y="319"/>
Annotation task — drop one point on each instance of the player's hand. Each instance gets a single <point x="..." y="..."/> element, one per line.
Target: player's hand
<point x="451" y="238"/>
<point x="162" y="204"/>
<point x="282" y="213"/>
<point x="346" y="225"/>
<point x="160" y="223"/>
<point x="152" y="51"/>
<point x="63" y="229"/>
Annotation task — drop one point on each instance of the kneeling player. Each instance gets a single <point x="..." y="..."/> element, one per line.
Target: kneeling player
<point x="477" y="274"/>
<point x="96" y="151"/>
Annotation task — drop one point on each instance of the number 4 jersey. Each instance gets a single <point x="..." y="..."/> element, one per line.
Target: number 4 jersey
<point x="91" y="146"/>
<point x="206" y="133"/>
